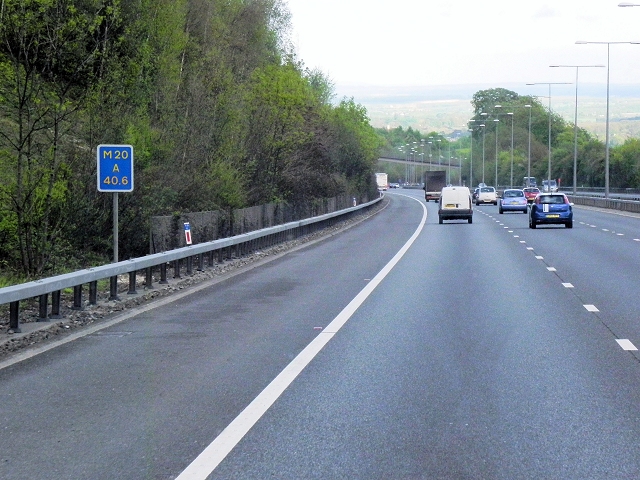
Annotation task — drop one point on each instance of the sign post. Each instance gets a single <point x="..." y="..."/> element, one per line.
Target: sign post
<point x="115" y="174"/>
<point x="187" y="233"/>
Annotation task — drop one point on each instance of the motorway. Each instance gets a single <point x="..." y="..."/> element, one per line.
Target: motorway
<point x="397" y="349"/>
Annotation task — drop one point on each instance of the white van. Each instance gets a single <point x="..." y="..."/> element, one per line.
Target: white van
<point x="455" y="204"/>
<point x="549" y="186"/>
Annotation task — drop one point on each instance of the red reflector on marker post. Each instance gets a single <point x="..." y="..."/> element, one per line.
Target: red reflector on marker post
<point x="187" y="233"/>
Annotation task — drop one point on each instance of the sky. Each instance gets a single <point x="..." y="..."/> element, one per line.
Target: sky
<point x="459" y="42"/>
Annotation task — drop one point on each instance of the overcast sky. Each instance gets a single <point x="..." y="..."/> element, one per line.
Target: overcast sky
<point x="455" y="42"/>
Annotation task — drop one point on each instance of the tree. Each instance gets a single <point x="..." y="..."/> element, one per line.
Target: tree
<point x="625" y="164"/>
<point x="50" y="51"/>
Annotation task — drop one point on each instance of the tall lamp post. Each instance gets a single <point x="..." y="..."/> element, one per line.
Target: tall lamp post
<point x="471" y="161"/>
<point x="529" y="153"/>
<point x="549" y="84"/>
<point x="606" y="135"/>
<point x="496" y="178"/>
<point x="510" y="114"/>
<point x="484" y="130"/>
<point x="575" y="124"/>
<point x="511" y="178"/>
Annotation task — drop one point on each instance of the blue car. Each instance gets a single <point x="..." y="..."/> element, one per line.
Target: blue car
<point x="513" y="200"/>
<point x="551" y="208"/>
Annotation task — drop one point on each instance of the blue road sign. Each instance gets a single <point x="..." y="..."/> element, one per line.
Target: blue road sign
<point x="115" y="168"/>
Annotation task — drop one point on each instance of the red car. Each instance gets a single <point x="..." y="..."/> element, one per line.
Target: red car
<point x="531" y="193"/>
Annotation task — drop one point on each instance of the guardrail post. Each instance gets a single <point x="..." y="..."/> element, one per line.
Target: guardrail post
<point x="221" y="255"/>
<point x="148" y="283"/>
<point x="163" y="273"/>
<point x="113" y="288"/>
<point x="77" y="297"/>
<point x="14" y="317"/>
<point x="211" y="258"/>
<point x="190" y="265"/>
<point x="132" y="283"/>
<point x="55" y="304"/>
<point x="176" y="269"/>
<point x="201" y="262"/>
<point x="93" y="292"/>
<point x="43" y="305"/>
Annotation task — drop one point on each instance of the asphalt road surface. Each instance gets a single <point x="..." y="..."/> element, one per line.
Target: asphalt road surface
<point x="398" y="349"/>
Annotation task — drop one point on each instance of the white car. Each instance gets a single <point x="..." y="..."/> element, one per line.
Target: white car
<point x="487" y="195"/>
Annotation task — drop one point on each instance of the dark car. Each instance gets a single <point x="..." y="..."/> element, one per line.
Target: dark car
<point x="551" y="208"/>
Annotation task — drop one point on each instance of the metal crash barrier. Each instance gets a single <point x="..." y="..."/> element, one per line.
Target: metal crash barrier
<point x="210" y="252"/>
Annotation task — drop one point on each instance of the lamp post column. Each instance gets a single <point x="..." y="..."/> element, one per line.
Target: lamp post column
<point x="606" y="154"/>
<point x="471" y="161"/>
<point x="496" y="178"/>
<point x="529" y="152"/>
<point x="575" y="125"/>
<point x="606" y="135"/>
<point x="511" y="179"/>
<point x="484" y="130"/>
<point x="549" y="85"/>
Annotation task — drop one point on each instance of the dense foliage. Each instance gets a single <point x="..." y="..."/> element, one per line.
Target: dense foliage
<point x="220" y="113"/>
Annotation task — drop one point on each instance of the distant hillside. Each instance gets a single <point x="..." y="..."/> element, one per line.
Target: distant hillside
<point x="447" y="108"/>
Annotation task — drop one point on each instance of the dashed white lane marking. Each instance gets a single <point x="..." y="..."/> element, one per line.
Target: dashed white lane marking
<point x="620" y="234"/>
<point x="539" y="257"/>
<point x="626" y="344"/>
<point x="522" y="241"/>
<point x="567" y="285"/>
<point x="605" y="230"/>
<point x="591" y="308"/>
<point x="636" y="239"/>
<point x="211" y="456"/>
<point x="529" y="248"/>
<point x="552" y="269"/>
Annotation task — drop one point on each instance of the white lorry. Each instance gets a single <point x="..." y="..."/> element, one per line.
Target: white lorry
<point x="382" y="180"/>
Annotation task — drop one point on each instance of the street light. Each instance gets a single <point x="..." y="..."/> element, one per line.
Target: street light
<point x="470" y="161"/>
<point x="549" y="84"/>
<point x="496" y="180"/>
<point x="483" y="135"/>
<point x="529" y="155"/>
<point x="575" y="124"/>
<point x="511" y="179"/>
<point x="511" y="114"/>
<point x="606" y="135"/>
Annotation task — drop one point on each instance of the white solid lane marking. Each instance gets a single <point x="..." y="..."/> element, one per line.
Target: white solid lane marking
<point x="591" y="308"/>
<point x="217" y="450"/>
<point x="567" y="285"/>
<point x="626" y="344"/>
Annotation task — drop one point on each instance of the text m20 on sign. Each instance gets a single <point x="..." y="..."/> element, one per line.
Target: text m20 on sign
<point x="115" y="168"/>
